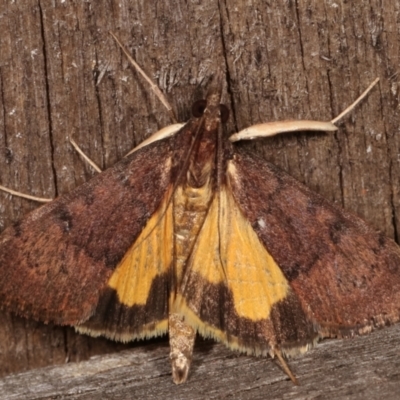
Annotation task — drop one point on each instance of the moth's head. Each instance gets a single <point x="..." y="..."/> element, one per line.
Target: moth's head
<point x="211" y="108"/>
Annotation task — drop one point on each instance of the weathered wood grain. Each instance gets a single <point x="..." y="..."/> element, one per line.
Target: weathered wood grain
<point x="360" y="368"/>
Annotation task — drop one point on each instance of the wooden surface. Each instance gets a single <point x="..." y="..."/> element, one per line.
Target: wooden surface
<point x="62" y="75"/>
<point x="360" y="368"/>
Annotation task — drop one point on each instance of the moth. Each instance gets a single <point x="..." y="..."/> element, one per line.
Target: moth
<point x="191" y="233"/>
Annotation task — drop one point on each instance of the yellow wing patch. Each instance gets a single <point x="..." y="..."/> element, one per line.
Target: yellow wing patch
<point x="228" y="251"/>
<point x="149" y="256"/>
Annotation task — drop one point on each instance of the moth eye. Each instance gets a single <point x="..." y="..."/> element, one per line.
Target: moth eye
<point x="198" y="108"/>
<point x="224" y="112"/>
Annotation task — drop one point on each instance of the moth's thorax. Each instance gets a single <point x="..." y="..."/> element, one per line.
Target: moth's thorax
<point x="204" y="153"/>
<point x="202" y="159"/>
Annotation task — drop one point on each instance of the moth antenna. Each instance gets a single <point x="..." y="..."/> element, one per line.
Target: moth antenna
<point x="25" y="196"/>
<point x="84" y="156"/>
<point x="286" y="368"/>
<point x="353" y="105"/>
<point x="153" y="86"/>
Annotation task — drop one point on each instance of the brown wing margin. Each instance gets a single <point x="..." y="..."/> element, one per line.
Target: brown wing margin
<point x="55" y="263"/>
<point x="346" y="275"/>
<point x="233" y="290"/>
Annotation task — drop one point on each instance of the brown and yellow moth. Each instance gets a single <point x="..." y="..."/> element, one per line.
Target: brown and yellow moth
<point x="191" y="233"/>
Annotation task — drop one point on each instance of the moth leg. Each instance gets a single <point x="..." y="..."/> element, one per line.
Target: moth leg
<point x="181" y="342"/>
<point x="25" y="196"/>
<point x="285" y="367"/>
<point x="43" y="199"/>
<point x="278" y="127"/>
<point x="163" y="133"/>
<point x="353" y="105"/>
